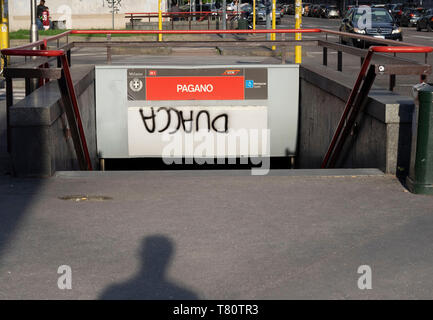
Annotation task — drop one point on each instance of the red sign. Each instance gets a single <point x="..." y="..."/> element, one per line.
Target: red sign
<point x="195" y="88"/>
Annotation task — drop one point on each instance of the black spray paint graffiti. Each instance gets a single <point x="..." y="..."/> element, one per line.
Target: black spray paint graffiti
<point x="149" y="121"/>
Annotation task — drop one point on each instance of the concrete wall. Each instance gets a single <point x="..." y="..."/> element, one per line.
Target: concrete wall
<point x="383" y="137"/>
<point x="81" y="14"/>
<point x="41" y="143"/>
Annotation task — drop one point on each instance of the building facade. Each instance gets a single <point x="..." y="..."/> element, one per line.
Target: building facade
<point x="82" y="14"/>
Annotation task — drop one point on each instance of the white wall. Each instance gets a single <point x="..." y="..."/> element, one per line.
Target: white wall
<point x="80" y="14"/>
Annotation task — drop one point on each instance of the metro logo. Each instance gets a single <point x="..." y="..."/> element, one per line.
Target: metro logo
<point x="195" y="88"/>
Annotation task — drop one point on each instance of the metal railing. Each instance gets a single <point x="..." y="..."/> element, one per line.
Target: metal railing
<point x="357" y="98"/>
<point x="40" y="69"/>
<point x="199" y="16"/>
<point x="45" y="74"/>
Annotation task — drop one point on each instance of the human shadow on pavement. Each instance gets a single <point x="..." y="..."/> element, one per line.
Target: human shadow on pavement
<point x="151" y="282"/>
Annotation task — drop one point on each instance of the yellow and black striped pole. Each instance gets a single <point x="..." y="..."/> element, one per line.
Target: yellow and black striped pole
<point x="159" y="20"/>
<point x="274" y="20"/>
<point x="254" y="14"/>
<point x="298" y="36"/>
<point x="4" y="27"/>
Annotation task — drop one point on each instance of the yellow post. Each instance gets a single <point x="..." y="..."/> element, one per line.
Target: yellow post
<point x="254" y="14"/>
<point x="298" y="36"/>
<point x="159" y="20"/>
<point x="274" y="20"/>
<point x="4" y="27"/>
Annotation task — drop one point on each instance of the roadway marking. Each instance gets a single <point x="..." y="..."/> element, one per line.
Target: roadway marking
<point x="320" y="52"/>
<point x="423" y="37"/>
<point x="318" y="36"/>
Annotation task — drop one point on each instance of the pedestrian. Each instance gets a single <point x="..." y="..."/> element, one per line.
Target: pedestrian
<point x="175" y="9"/>
<point x="39" y="12"/>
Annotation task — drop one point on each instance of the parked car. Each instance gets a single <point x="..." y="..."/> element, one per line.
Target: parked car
<point x="383" y="26"/>
<point x="289" y="9"/>
<point x="246" y="9"/>
<point x="313" y="10"/>
<point x="425" y="21"/>
<point x="317" y="10"/>
<point x="332" y="12"/>
<point x="346" y="10"/>
<point x="397" y="9"/>
<point x="261" y="15"/>
<point x="410" y="17"/>
<point x="321" y="12"/>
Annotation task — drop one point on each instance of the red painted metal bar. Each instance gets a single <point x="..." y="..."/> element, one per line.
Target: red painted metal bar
<point x="32" y="53"/>
<point x="71" y="89"/>
<point x="401" y="49"/>
<point x="40" y="42"/>
<point x="347" y="108"/>
<point x="44" y="46"/>
<point x="356" y="87"/>
<point x="194" y="31"/>
<point x="179" y="12"/>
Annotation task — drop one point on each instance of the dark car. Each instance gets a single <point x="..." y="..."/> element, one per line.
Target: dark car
<point x="289" y="9"/>
<point x="383" y="26"/>
<point x="396" y="10"/>
<point x="332" y="12"/>
<point x="346" y="11"/>
<point x="314" y="10"/>
<point x="310" y="10"/>
<point x="322" y="11"/>
<point x="410" y="17"/>
<point x="425" y="21"/>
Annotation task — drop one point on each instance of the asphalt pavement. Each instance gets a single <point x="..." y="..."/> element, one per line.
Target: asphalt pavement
<point x="214" y="235"/>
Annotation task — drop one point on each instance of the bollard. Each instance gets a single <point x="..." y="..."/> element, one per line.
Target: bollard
<point x="4" y="29"/>
<point x="274" y="21"/>
<point x="298" y="24"/>
<point x="420" y="179"/>
<point x="159" y="20"/>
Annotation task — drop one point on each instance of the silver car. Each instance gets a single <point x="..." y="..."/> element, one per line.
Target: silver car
<point x="332" y="12"/>
<point x="261" y="14"/>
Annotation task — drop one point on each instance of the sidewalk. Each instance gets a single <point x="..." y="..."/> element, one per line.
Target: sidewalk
<point x="215" y="235"/>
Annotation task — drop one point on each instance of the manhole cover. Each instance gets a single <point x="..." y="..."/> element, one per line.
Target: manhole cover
<point x="81" y="198"/>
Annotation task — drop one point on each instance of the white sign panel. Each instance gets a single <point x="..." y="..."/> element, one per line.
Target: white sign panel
<point x="198" y="131"/>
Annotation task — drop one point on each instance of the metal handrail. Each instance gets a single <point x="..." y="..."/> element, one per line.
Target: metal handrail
<point x="261" y="31"/>
<point x="337" y="139"/>
<point x="180" y="12"/>
<point x="32" y="53"/>
<point x="43" y="41"/>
